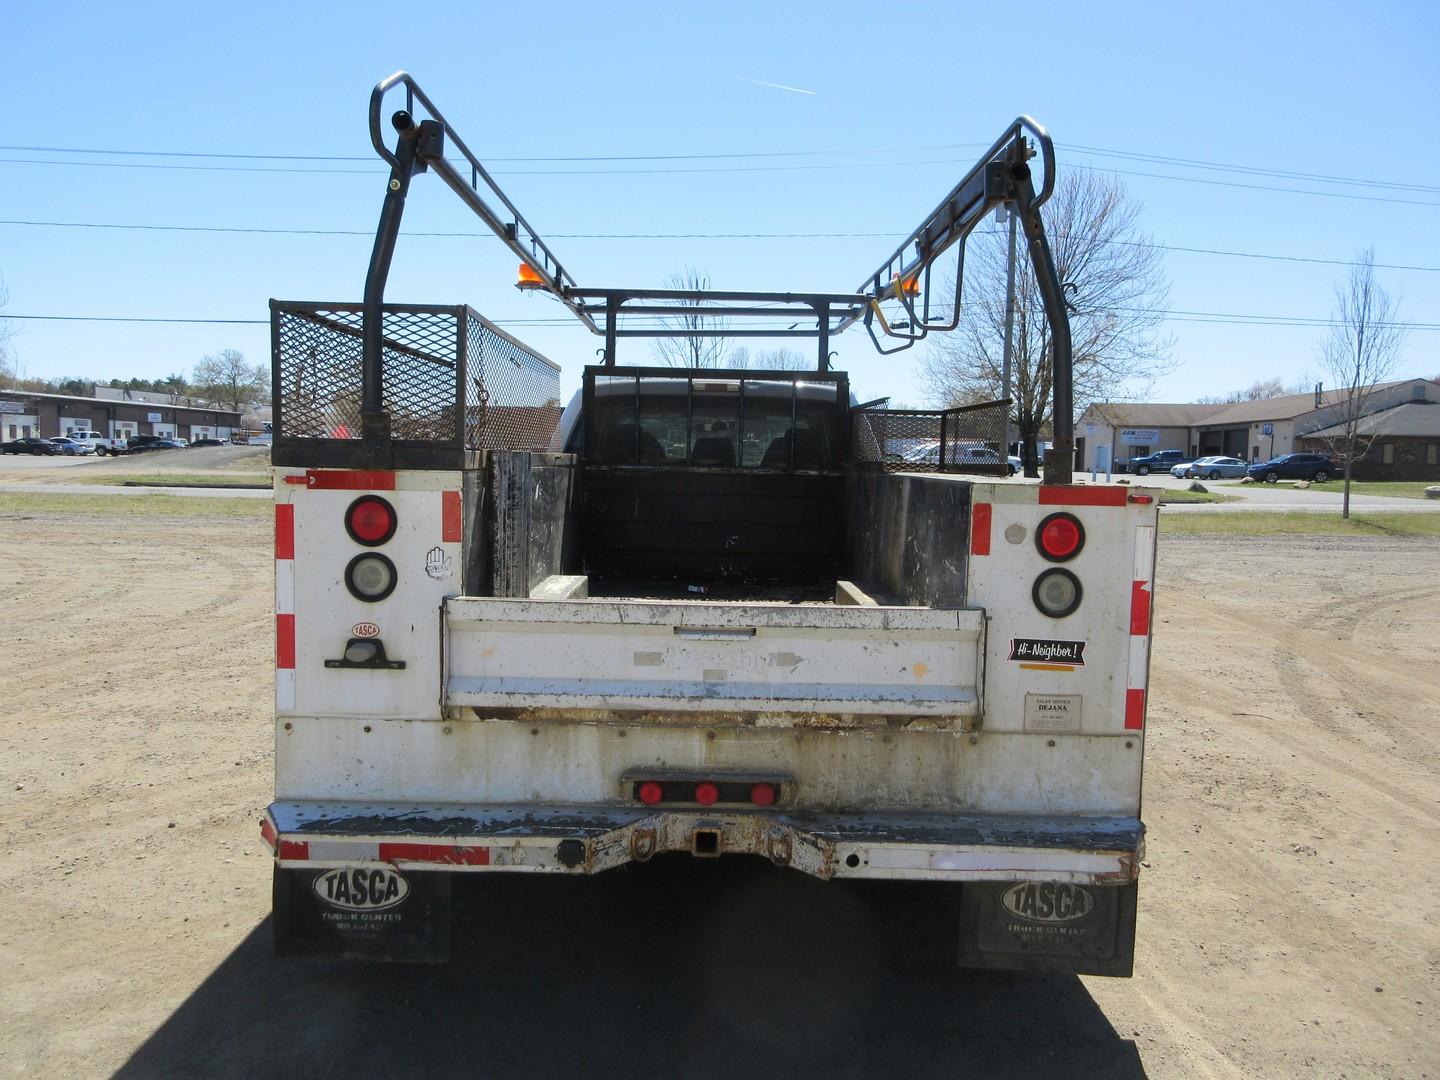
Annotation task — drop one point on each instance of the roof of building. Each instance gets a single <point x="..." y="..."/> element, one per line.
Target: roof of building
<point x="1285" y="407"/>
<point x="1413" y="418"/>
<point x="114" y="401"/>
<point x="1147" y="414"/>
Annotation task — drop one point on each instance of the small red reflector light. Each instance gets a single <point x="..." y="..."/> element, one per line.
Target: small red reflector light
<point x="1141" y="499"/>
<point x="651" y="793"/>
<point x="763" y="794"/>
<point x="370" y="520"/>
<point x="1060" y="536"/>
<point x="706" y="793"/>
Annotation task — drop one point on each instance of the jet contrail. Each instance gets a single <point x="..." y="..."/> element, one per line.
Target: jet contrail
<point x="776" y="86"/>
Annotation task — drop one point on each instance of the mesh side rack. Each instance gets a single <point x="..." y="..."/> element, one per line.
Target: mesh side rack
<point x="968" y="439"/>
<point x="452" y="381"/>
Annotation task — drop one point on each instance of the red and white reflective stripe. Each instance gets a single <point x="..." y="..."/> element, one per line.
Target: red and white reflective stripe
<point x="387" y="851"/>
<point x="1140" y="601"/>
<point x="451" y="518"/>
<point x="284" y="605"/>
<point x="981" y="515"/>
<point x="345" y="480"/>
<point x="1079" y="495"/>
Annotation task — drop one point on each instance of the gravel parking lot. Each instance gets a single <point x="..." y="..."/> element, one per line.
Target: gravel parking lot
<point x="1290" y="909"/>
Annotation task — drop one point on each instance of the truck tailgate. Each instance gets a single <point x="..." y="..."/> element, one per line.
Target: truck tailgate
<point x="714" y="663"/>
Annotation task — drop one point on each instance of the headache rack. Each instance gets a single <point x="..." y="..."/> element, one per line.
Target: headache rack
<point x="396" y="397"/>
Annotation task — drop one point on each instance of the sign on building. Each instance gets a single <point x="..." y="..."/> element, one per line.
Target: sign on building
<point x="1139" y="436"/>
<point x="11" y="407"/>
<point x="153" y="417"/>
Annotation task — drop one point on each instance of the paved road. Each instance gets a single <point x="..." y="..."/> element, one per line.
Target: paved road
<point x="108" y="489"/>
<point x="1325" y="498"/>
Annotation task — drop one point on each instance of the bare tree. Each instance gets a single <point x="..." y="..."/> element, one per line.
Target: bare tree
<point x="1115" y="282"/>
<point x="1260" y="390"/>
<point x="692" y="350"/>
<point x="1362" y="350"/>
<point x="228" y="379"/>
<point x="10" y="371"/>
<point x="781" y="359"/>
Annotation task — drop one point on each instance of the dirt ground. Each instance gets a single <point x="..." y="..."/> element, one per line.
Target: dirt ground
<point x="1289" y="913"/>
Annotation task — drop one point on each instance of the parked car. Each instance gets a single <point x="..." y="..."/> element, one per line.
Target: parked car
<point x="141" y="443"/>
<point x="929" y="454"/>
<point x="72" y="447"/>
<point x="1211" y="468"/>
<point x="208" y="442"/>
<point x="31" y="445"/>
<point x="1161" y="461"/>
<point x="1315" y="467"/>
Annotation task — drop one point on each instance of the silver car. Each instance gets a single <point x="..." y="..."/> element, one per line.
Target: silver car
<point x="1212" y="468"/>
<point x="72" y="447"/>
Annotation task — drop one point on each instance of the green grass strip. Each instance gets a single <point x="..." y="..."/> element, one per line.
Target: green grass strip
<point x="113" y="506"/>
<point x="1306" y="523"/>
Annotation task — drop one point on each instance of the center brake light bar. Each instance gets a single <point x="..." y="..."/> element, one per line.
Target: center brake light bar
<point x="1002" y="177"/>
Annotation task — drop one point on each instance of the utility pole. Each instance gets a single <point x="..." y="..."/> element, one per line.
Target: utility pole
<point x="1002" y="215"/>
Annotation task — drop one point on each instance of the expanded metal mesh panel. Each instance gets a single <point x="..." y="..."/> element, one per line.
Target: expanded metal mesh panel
<point x="431" y="356"/>
<point x="317" y="374"/>
<point x="967" y="439"/>
<point x="512" y="395"/>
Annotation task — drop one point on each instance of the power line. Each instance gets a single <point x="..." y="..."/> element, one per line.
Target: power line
<point x="1100" y="151"/>
<point x="1168" y="314"/>
<point x="508" y="160"/>
<point x="729" y="169"/>
<point x="266" y="231"/>
<point x="1251" y="170"/>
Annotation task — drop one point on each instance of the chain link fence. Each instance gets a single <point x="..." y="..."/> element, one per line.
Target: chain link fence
<point x="450" y="377"/>
<point x="968" y="439"/>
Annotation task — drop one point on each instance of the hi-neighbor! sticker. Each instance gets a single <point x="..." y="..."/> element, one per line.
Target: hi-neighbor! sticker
<point x="1052" y="712"/>
<point x="1047" y="651"/>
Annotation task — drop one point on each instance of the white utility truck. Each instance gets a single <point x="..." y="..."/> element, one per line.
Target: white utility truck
<point x="707" y="612"/>
<point x="101" y="444"/>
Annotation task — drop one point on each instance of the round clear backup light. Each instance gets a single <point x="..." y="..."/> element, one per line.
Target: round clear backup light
<point x="370" y="577"/>
<point x="1057" y="593"/>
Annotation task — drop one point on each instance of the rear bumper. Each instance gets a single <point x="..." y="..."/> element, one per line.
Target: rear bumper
<point x="587" y="839"/>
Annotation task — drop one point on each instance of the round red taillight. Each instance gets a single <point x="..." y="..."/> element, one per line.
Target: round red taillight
<point x="650" y="792"/>
<point x="370" y="520"/>
<point x="706" y="793"/>
<point x="1060" y="537"/>
<point x="763" y="794"/>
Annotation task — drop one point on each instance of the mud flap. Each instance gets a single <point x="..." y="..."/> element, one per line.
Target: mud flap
<point x="1048" y="926"/>
<point x="370" y="912"/>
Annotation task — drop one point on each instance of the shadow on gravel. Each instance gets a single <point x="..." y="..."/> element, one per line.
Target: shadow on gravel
<point x="681" y="967"/>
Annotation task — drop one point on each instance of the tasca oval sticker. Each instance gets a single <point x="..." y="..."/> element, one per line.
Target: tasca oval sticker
<point x="364" y="629"/>
<point x="362" y="888"/>
<point x="1048" y="901"/>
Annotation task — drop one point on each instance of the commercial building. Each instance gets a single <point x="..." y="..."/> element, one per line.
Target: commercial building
<point x="1404" y="443"/>
<point x="23" y="414"/>
<point x="1113" y="432"/>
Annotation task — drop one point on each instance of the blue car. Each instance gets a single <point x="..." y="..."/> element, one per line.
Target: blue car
<point x="1316" y="467"/>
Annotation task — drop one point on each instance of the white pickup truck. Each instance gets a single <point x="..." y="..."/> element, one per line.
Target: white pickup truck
<point x="101" y="444"/>
<point x="561" y="663"/>
<point x="710" y="618"/>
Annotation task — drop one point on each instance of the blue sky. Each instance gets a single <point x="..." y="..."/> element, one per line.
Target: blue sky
<point x="899" y="96"/>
